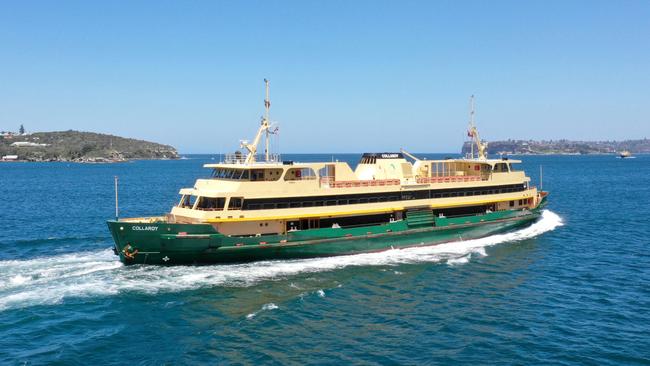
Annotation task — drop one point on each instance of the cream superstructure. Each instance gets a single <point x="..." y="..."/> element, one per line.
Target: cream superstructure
<point x="252" y="194"/>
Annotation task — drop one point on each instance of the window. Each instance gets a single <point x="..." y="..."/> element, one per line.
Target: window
<point x="300" y="174"/>
<point x="265" y="174"/>
<point x="501" y="168"/>
<point x="187" y="201"/>
<point x="235" y="203"/>
<point x="211" y="203"/>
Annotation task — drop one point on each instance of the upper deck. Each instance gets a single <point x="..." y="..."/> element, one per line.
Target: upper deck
<point x="372" y="174"/>
<point x="251" y="181"/>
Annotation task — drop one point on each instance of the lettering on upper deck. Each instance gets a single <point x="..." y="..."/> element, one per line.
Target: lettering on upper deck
<point x="389" y="156"/>
<point x="144" y="228"/>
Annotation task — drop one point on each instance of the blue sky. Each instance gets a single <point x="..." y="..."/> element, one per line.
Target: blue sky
<point x="346" y="76"/>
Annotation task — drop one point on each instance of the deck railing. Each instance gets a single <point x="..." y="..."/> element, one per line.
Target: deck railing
<point x="449" y="179"/>
<point x="259" y="158"/>
<point x="358" y="183"/>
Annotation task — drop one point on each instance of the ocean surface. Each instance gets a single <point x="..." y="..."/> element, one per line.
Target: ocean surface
<point x="572" y="289"/>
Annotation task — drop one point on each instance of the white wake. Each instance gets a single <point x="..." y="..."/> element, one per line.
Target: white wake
<point x="50" y="280"/>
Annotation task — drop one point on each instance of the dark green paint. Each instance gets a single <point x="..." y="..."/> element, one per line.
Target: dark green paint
<point x="200" y="243"/>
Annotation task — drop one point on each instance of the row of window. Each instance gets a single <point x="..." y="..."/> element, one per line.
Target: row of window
<point x="238" y="203"/>
<point x="262" y="174"/>
<point x="297" y="202"/>
<point x="211" y="203"/>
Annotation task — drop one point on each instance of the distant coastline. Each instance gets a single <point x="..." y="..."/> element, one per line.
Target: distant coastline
<point x="564" y="147"/>
<point x="79" y="147"/>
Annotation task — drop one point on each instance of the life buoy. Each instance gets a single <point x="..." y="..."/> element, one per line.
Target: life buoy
<point x="129" y="252"/>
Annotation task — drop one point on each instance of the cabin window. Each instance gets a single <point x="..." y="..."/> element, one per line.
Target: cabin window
<point x="230" y="173"/>
<point x="235" y="203"/>
<point x="187" y="201"/>
<point x="512" y="203"/>
<point x="257" y="175"/>
<point x="211" y="203"/>
<point x="356" y="221"/>
<point x="300" y="174"/>
<point x="501" y="168"/>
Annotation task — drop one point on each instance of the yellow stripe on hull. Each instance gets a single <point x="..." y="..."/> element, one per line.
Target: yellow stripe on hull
<point x="360" y="212"/>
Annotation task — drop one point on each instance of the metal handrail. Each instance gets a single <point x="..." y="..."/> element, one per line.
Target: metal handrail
<point x="359" y="183"/>
<point x="259" y="158"/>
<point x="449" y="179"/>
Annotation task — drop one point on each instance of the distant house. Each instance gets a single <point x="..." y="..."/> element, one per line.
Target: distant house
<point x="10" y="157"/>
<point x="27" y="144"/>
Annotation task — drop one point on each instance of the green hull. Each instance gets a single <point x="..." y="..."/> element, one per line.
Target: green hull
<point x="163" y="243"/>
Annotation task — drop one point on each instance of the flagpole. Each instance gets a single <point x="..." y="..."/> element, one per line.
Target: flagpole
<point x="267" y="105"/>
<point x="471" y="123"/>
<point x="117" y="213"/>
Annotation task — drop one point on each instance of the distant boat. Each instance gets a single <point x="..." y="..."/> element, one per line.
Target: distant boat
<point x="625" y="154"/>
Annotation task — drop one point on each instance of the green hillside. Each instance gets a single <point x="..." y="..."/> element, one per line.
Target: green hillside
<point x="82" y="147"/>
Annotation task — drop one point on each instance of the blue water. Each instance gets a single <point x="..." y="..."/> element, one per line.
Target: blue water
<point x="572" y="289"/>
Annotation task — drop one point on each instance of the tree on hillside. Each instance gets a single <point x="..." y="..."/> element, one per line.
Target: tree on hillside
<point x="21" y="130"/>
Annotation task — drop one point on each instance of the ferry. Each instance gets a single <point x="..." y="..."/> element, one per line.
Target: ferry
<point x="625" y="154"/>
<point x="259" y="207"/>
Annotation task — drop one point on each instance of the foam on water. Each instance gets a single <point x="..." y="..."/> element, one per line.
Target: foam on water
<point x="49" y="280"/>
<point x="265" y="307"/>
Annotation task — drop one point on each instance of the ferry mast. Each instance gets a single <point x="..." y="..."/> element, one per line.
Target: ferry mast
<point x="472" y="132"/>
<point x="264" y="129"/>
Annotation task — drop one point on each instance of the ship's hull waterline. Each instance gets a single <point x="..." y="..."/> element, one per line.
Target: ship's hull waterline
<point x="173" y="244"/>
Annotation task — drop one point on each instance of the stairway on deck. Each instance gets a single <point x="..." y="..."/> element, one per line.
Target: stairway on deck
<point x="419" y="217"/>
